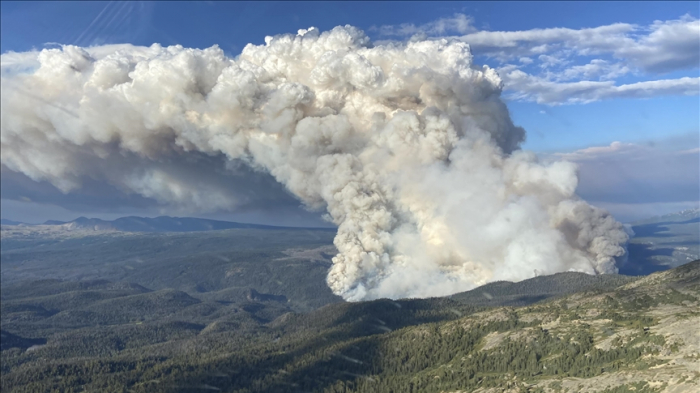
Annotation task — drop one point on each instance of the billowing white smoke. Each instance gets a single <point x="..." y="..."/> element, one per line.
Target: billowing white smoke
<point x="408" y="147"/>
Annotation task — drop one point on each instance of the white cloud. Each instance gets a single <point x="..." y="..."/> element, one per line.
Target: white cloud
<point x="664" y="46"/>
<point x="506" y="45"/>
<point x="547" y="61"/>
<point x="670" y="45"/>
<point x="566" y="73"/>
<point x="594" y="152"/>
<point x="527" y="87"/>
<point x="596" y="69"/>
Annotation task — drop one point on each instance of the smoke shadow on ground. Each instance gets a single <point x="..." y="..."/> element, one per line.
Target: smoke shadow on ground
<point x="641" y="259"/>
<point x="271" y="372"/>
<point x="527" y="300"/>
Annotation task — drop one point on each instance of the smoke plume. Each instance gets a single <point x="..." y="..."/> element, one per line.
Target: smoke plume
<point x="408" y="147"/>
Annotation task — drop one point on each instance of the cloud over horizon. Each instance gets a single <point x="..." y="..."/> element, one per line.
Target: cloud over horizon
<point x="639" y="180"/>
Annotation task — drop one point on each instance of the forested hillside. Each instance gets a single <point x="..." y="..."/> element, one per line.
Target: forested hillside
<point x="640" y="336"/>
<point x="248" y="310"/>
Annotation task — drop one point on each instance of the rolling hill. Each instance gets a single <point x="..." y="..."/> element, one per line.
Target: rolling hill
<point x="247" y="310"/>
<point x="630" y="334"/>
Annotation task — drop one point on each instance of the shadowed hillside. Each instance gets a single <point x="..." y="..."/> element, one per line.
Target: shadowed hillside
<point x="637" y="336"/>
<point x="248" y="310"/>
<point x="505" y="293"/>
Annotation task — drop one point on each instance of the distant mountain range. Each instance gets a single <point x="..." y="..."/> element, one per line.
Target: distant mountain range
<point x="4" y="221"/>
<point x="145" y="224"/>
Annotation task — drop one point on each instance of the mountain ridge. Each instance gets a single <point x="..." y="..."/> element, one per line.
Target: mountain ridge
<point x="155" y="224"/>
<point x="638" y="336"/>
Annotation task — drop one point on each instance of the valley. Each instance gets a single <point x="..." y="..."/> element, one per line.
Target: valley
<point x="247" y="310"/>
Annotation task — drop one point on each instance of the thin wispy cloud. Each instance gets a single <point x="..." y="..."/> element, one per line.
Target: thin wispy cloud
<point x="661" y="47"/>
<point x="457" y="24"/>
<point x="527" y="87"/>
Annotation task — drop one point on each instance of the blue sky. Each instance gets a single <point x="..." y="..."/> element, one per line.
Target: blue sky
<point x="544" y="69"/>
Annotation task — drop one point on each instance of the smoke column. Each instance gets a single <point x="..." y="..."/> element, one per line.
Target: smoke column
<point x="408" y="147"/>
